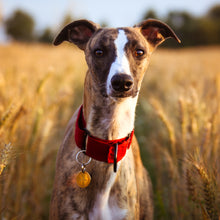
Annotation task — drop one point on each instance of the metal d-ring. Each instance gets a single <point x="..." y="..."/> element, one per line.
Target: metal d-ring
<point x="115" y="157"/>
<point x="77" y="160"/>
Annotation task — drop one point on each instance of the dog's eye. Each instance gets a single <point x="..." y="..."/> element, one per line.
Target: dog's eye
<point x="99" y="53"/>
<point x="138" y="53"/>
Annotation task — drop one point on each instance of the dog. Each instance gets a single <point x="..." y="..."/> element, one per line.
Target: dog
<point x="99" y="172"/>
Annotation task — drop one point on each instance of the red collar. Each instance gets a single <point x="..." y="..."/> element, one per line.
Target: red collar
<point x="109" y="151"/>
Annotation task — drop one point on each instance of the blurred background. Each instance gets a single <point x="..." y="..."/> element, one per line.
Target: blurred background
<point x="178" y="112"/>
<point x="198" y="23"/>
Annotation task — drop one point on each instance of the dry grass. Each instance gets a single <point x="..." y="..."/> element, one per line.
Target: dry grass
<point x="178" y="127"/>
<point x="38" y="95"/>
<point x="180" y="105"/>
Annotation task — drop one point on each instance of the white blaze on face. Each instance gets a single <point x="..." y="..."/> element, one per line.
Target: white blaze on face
<point x="121" y="63"/>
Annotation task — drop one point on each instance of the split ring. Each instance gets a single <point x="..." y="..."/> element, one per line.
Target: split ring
<point x="77" y="160"/>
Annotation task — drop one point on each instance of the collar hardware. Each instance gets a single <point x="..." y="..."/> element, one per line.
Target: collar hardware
<point x="86" y="134"/>
<point x="115" y="157"/>
<point x="108" y="151"/>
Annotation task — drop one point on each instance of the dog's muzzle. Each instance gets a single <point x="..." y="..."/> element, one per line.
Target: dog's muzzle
<point x="121" y="85"/>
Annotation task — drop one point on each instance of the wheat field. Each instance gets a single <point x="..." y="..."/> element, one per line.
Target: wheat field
<point x="177" y="125"/>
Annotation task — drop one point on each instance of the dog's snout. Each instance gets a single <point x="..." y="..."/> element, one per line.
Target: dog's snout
<point x="122" y="82"/>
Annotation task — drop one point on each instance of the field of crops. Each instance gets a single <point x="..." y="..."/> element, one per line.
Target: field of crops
<point x="177" y="125"/>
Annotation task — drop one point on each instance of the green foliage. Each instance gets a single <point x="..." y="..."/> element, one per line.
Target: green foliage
<point x="47" y="36"/>
<point x="20" y="26"/>
<point x="193" y="31"/>
<point x="214" y="13"/>
<point x="150" y="14"/>
<point x="66" y="20"/>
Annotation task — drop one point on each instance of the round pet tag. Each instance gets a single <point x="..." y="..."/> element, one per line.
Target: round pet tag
<point x="83" y="179"/>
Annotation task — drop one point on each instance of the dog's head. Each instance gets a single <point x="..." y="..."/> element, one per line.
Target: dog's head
<point x="117" y="57"/>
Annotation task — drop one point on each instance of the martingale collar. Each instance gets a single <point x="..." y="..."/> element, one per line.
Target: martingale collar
<point x="109" y="151"/>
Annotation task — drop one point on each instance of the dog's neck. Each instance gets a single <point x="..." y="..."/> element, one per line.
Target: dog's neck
<point x="107" y="118"/>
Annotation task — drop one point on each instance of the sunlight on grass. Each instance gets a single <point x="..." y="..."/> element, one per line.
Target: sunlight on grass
<point x="177" y="125"/>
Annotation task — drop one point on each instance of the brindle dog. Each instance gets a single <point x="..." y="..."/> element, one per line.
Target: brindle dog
<point x="117" y="59"/>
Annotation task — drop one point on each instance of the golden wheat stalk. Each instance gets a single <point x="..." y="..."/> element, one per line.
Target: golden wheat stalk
<point x="183" y="120"/>
<point x="5" y="156"/>
<point x="42" y="82"/>
<point x="35" y="128"/>
<point x="191" y="186"/>
<point x="207" y="135"/>
<point x="193" y="108"/>
<point x="209" y="191"/>
<point x="160" y="112"/>
<point x="6" y="115"/>
<point x="215" y="137"/>
<point x="202" y="184"/>
<point x="2" y="166"/>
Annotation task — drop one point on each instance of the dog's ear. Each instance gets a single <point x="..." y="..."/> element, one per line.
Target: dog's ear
<point x="77" y="32"/>
<point x="156" y="32"/>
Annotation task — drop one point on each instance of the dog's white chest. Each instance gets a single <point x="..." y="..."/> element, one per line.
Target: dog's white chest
<point x="106" y="207"/>
<point x="107" y="211"/>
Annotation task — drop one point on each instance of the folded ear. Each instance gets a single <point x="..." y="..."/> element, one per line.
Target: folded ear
<point x="77" y="32"/>
<point x="156" y="32"/>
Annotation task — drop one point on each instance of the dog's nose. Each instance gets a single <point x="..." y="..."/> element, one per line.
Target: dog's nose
<point x="122" y="82"/>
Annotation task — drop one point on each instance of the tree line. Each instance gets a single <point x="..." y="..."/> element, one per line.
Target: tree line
<point x="20" y="26"/>
<point x="192" y="30"/>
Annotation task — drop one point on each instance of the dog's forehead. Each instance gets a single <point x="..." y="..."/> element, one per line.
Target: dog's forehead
<point x="103" y="37"/>
<point x="107" y="36"/>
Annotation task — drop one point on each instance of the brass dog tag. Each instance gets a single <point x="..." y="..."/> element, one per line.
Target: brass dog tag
<point x="83" y="179"/>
